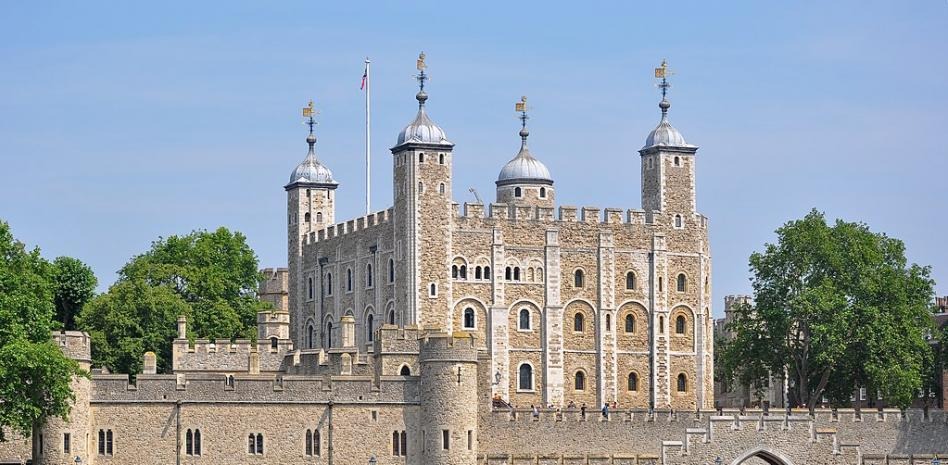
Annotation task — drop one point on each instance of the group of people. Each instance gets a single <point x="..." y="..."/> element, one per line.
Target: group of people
<point x="582" y="408"/>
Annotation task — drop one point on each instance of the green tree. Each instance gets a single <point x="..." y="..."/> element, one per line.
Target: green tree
<point x="34" y="374"/>
<point x="74" y="285"/>
<point x="211" y="276"/>
<point x="836" y="308"/>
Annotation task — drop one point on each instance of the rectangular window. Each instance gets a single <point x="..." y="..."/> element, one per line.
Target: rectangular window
<point x="470" y="440"/>
<point x="67" y="443"/>
<point x="445" y="439"/>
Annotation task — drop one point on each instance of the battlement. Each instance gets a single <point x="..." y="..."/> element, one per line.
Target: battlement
<point x="77" y="345"/>
<point x="565" y="214"/>
<point x="351" y="226"/>
<point x="457" y="346"/>
<point x="730" y="301"/>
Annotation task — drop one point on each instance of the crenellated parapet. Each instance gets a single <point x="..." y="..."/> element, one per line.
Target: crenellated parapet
<point x="354" y="225"/>
<point x="564" y="214"/>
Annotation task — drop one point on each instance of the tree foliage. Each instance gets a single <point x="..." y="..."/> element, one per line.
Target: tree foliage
<point x="211" y="277"/>
<point x="837" y="307"/>
<point x="34" y="374"/>
<point x="74" y="286"/>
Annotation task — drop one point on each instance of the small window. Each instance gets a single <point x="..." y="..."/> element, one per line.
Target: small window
<point x="274" y="343"/>
<point x="319" y="217"/>
<point x="508" y="273"/>
<point x="328" y="341"/>
<point x="579" y="381"/>
<point x="681" y="282"/>
<point x="259" y="444"/>
<point x="348" y="279"/>
<point x="680" y="325"/>
<point x="229" y="381"/>
<point x="306" y="217"/>
<point x="462" y="272"/>
<point x="445" y="439"/>
<point x="309" y="337"/>
<point x="518" y="192"/>
<point x="67" y="443"/>
<point x="108" y="442"/>
<point x="441" y="188"/>
<point x="454" y="271"/>
<point x="317" y="446"/>
<point x="525" y="380"/>
<point x="633" y="384"/>
<point x="677" y="161"/>
<point x="477" y="272"/>
<point x="578" y="322"/>
<point x="629" y="324"/>
<point x="433" y="290"/>
<point x="542" y="192"/>
<point x="404" y="438"/>
<point x="487" y="272"/>
<point x="440" y="158"/>
<point x="396" y="450"/>
<point x="391" y="271"/>
<point x="328" y="283"/>
<point x="421" y="158"/>
<point x="678" y="221"/>
<point x="516" y="273"/>
<point x="661" y="284"/>
<point x="405" y="371"/>
<point x="578" y="278"/>
<point x="101" y="442"/>
<point x="309" y="287"/>
<point x="608" y="322"/>
<point x="682" y="383"/>
<point x="370" y="328"/>
<point x="368" y="275"/>
<point x="661" y="325"/>
<point x="309" y="442"/>
<point x="524" y="319"/>
<point x="308" y="193"/>
<point x="630" y="280"/>
<point x="391" y="316"/>
<point x="469" y="318"/>
<point x="470" y="439"/>
<point x="421" y="187"/>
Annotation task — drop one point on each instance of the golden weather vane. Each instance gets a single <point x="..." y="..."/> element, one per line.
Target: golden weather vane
<point x="420" y="64"/>
<point x="309" y="113"/>
<point x="521" y="106"/>
<point x="662" y="72"/>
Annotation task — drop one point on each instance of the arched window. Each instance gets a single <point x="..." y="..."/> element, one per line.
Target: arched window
<point x="508" y="273"/>
<point x="328" y="342"/>
<point x="368" y="275"/>
<point x="189" y="443"/>
<point x="251" y="444"/>
<point x="608" y="322"/>
<point x="309" y="442"/>
<point x="404" y="438"/>
<point x="396" y="442"/>
<point x="259" y="444"/>
<point x="316" y="443"/>
<point x="629" y="324"/>
<point x="319" y="217"/>
<point x="440" y="158"/>
<point x="348" y="279"/>
<point x="633" y="382"/>
<point x="441" y="188"/>
<point x="101" y="442"/>
<point x="405" y="371"/>
<point x="680" y="325"/>
<point x="370" y="328"/>
<point x="525" y="380"/>
<point x="477" y="272"/>
<point x="579" y="381"/>
<point x="678" y="222"/>
<point x="518" y="192"/>
<point x="630" y="280"/>
<point x="230" y="380"/>
<point x="309" y="337"/>
<point x="487" y="273"/>
<point x="274" y="343"/>
<point x="391" y="270"/>
<point x="433" y="290"/>
<point x="524" y="319"/>
<point x="462" y="271"/>
<point x="539" y="274"/>
<point x="682" y="383"/>
<point x="530" y="276"/>
<point x="677" y="161"/>
<point x="306" y="217"/>
<point x="469" y="318"/>
<point x="578" y="322"/>
<point x="681" y="283"/>
<point x="542" y="192"/>
<point x="391" y="316"/>
<point x="328" y="283"/>
<point x="421" y="158"/>
<point x="197" y="442"/>
<point x="578" y="278"/>
<point x="309" y="287"/>
<point x="516" y="273"/>
<point x="454" y="271"/>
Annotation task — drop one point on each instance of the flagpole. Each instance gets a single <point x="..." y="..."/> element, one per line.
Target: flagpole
<point x="368" y="139"/>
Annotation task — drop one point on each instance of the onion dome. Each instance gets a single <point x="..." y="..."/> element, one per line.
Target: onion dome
<point x="310" y="170"/>
<point x="665" y="135"/>
<point x="524" y="168"/>
<point x="422" y="130"/>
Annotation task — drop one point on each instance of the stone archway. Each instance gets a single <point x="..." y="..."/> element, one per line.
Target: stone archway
<point x="762" y="455"/>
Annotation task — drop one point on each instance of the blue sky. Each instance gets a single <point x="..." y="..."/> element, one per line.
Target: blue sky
<point x="124" y="121"/>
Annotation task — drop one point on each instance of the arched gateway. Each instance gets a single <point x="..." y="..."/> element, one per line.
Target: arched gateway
<point x="762" y="455"/>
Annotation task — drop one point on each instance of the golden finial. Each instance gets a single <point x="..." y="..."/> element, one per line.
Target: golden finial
<point x="420" y="64"/>
<point x="662" y="71"/>
<point x="521" y="106"/>
<point x="309" y="112"/>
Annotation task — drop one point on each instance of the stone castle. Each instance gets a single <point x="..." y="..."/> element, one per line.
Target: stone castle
<point x="440" y="334"/>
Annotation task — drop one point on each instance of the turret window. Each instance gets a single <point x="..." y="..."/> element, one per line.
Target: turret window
<point x="542" y="192"/>
<point x="328" y="283"/>
<point x="306" y="217"/>
<point x="368" y="276"/>
<point x="391" y="271"/>
<point x="319" y="217"/>
<point x="440" y="158"/>
<point x="348" y="279"/>
<point x="518" y="192"/>
<point x="677" y="161"/>
<point x="578" y="278"/>
<point x="405" y="371"/>
<point x="67" y="443"/>
<point x="309" y="287"/>
<point x="630" y="280"/>
<point x="370" y="328"/>
<point x="469" y="321"/>
<point x="421" y="158"/>
<point x="441" y="188"/>
<point x="433" y="290"/>
<point x="391" y="316"/>
<point x="679" y="223"/>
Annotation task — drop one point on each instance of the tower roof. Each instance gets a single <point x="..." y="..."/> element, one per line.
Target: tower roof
<point x="524" y="168"/>
<point x="311" y="171"/>
<point x="422" y="130"/>
<point x="664" y="135"/>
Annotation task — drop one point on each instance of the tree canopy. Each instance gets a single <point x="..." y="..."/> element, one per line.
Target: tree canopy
<point x="74" y="286"/>
<point x="836" y="307"/>
<point x="35" y="375"/>
<point x="210" y="276"/>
